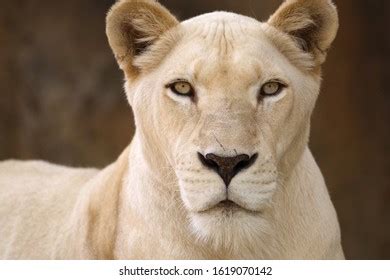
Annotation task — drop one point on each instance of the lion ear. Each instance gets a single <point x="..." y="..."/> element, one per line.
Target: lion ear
<point x="134" y="25"/>
<point x="313" y="24"/>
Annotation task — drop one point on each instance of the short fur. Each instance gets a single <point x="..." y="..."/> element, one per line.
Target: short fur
<point x="158" y="201"/>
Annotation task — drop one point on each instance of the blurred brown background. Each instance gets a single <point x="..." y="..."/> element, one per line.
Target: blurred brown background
<point x="61" y="99"/>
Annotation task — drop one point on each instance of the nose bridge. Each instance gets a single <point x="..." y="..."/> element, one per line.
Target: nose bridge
<point x="229" y="129"/>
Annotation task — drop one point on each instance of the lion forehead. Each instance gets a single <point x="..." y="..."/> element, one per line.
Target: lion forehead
<point x="207" y="37"/>
<point x="211" y="36"/>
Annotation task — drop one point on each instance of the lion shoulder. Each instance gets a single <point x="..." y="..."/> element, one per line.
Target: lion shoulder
<point x="35" y="194"/>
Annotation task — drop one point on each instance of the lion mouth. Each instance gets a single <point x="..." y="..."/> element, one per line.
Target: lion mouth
<point x="228" y="206"/>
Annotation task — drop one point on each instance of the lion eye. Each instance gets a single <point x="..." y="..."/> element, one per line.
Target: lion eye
<point x="271" y="88"/>
<point x="182" y="88"/>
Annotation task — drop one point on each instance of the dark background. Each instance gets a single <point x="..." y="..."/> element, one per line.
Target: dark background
<point x="61" y="99"/>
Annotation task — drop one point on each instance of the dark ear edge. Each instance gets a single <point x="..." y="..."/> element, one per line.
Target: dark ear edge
<point x="132" y="26"/>
<point x="312" y="24"/>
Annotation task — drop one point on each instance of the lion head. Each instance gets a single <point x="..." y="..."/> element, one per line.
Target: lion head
<point x="222" y="102"/>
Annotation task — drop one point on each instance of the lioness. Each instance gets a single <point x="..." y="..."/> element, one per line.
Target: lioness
<point x="219" y="167"/>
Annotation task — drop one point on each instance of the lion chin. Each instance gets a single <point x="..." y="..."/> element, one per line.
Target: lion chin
<point x="230" y="227"/>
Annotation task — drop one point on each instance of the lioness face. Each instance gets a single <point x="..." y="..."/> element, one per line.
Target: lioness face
<point x="224" y="101"/>
<point x="225" y="106"/>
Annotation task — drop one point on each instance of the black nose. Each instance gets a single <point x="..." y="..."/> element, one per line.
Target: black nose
<point x="227" y="167"/>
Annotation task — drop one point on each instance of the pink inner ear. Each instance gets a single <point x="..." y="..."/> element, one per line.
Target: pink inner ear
<point x="302" y="44"/>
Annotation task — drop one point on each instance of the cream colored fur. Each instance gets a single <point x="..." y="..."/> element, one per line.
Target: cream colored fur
<point x="157" y="201"/>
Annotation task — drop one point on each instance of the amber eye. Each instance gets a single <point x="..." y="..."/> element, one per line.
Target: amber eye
<point x="182" y="88"/>
<point x="271" y="88"/>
